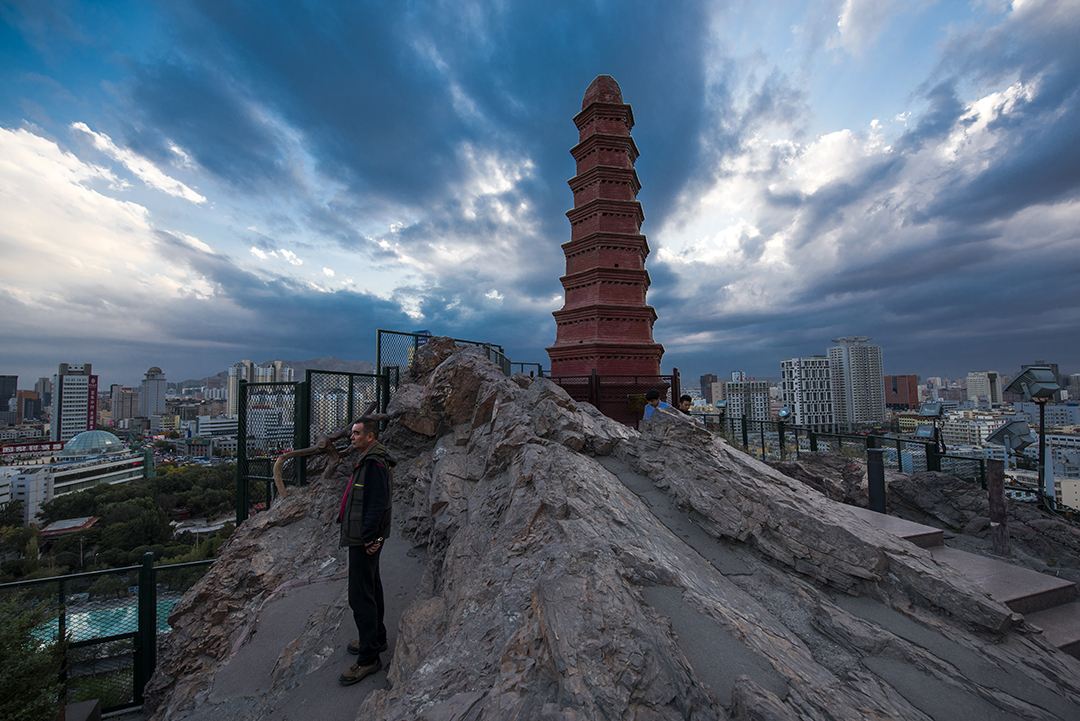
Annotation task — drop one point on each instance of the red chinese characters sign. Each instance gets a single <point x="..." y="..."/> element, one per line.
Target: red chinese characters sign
<point x="91" y="403"/>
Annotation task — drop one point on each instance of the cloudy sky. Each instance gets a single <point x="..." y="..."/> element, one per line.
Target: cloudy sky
<point x="185" y="184"/>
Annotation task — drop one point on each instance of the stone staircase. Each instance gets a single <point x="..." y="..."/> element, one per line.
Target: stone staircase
<point x="1046" y="602"/>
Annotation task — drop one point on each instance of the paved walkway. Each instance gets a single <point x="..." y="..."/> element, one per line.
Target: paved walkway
<point x="315" y="692"/>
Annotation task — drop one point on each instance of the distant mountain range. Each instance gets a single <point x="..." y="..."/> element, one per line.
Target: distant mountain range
<point x="326" y="363"/>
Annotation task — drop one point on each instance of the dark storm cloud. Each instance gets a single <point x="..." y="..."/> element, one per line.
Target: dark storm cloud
<point x="209" y="117"/>
<point x="1039" y="160"/>
<point x="942" y="111"/>
<point x="385" y="99"/>
<point x="280" y="314"/>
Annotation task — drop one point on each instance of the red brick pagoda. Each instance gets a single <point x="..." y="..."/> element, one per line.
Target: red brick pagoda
<point x="605" y="325"/>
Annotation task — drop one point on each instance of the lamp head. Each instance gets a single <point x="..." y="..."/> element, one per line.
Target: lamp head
<point x="1036" y="383"/>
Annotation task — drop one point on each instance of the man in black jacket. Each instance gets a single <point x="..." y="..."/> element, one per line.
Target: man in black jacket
<point x="364" y="515"/>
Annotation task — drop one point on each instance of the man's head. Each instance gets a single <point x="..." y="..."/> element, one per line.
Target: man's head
<point x="653" y="397"/>
<point x="365" y="433"/>
<point x="685" y="402"/>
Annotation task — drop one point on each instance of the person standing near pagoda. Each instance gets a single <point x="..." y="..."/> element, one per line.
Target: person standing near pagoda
<point x="653" y="404"/>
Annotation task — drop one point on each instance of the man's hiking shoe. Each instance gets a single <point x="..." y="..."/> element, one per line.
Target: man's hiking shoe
<point x="357" y="673"/>
<point x="354" y="647"/>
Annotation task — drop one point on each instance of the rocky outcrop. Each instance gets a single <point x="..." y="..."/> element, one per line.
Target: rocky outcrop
<point x="1037" y="539"/>
<point x="578" y="569"/>
<point x="835" y="476"/>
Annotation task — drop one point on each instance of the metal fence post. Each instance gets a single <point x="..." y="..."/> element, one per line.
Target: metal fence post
<point x="999" y="528"/>
<point x="378" y="352"/>
<point x="933" y="457"/>
<point x="594" y="388"/>
<point x="146" y="656"/>
<point x="899" y="455"/>
<point x="780" y="433"/>
<point x="813" y="442"/>
<point x="745" y="435"/>
<point x="61" y="633"/>
<point x="875" y="477"/>
<point x="982" y="473"/>
<point x="761" y="428"/>
<point x="241" y="453"/>
<point x="302" y="424"/>
<point x="676" y="387"/>
<point x="384" y="391"/>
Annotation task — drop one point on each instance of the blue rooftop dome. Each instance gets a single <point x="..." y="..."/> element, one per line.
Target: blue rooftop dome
<point x="92" y="443"/>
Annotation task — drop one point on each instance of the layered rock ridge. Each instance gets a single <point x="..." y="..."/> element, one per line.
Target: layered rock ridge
<point x="574" y="568"/>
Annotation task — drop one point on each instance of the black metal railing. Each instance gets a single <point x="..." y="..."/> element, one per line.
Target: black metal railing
<point x="272" y="418"/>
<point x="780" y="440"/>
<point x="533" y="370"/>
<point x="396" y="349"/>
<point x="107" y="625"/>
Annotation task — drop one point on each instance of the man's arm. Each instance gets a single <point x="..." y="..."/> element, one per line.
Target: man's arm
<point x="376" y="498"/>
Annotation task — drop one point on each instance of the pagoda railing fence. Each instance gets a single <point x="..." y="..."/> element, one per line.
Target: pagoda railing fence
<point x="621" y="397"/>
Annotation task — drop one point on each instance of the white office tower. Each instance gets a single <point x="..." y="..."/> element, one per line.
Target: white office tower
<point x="984" y="387"/>
<point x="74" y="401"/>
<point x="806" y="388"/>
<point x="858" y="386"/>
<point x="244" y="370"/>
<point x="748" y="398"/>
<point x="152" y="393"/>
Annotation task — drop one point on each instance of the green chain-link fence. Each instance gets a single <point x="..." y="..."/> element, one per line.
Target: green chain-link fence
<point x="107" y="625"/>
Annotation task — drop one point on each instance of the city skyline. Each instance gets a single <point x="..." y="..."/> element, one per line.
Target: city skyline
<point x="808" y="171"/>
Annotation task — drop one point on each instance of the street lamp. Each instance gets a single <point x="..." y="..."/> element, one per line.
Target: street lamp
<point x="1015" y="435"/>
<point x="1039" y="385"/>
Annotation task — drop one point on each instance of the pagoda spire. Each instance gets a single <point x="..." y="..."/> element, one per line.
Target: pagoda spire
<point x="605" y="324"/>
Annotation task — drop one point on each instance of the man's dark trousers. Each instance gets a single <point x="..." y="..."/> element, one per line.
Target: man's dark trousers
<point x="366" y="601"/>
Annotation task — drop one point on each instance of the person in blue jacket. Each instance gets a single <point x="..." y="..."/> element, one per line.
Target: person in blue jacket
<point x="653" y="402"/>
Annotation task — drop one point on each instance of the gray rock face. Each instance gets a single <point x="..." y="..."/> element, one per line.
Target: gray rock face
<point x="579" y="569"/>
<point x="837" y="477"/>
<point x="1037" y="540"/>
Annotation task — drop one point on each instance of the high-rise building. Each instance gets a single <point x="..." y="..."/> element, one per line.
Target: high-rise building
<point x="748" y="398"/>
<point x="282" y="373"/>
<point x="152" y="393"/>
<point x="806" y="389"/>
<point x="74" y="401"/>
<point x="902" y="392"/>
<point x="858" y="389"/>
<point x="718" y="391"/>
<point x="984" y="387"/>
<point x="43" y="387"/>
<point x="124" y="402"/>
<point x="8" y="387"/>
<point x="706" y="387"/>
<point x="242" y="371"/>
<point x="27" y="406"/>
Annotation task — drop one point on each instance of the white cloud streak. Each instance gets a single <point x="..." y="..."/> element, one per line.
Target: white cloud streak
<point x="142" y="167"/>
